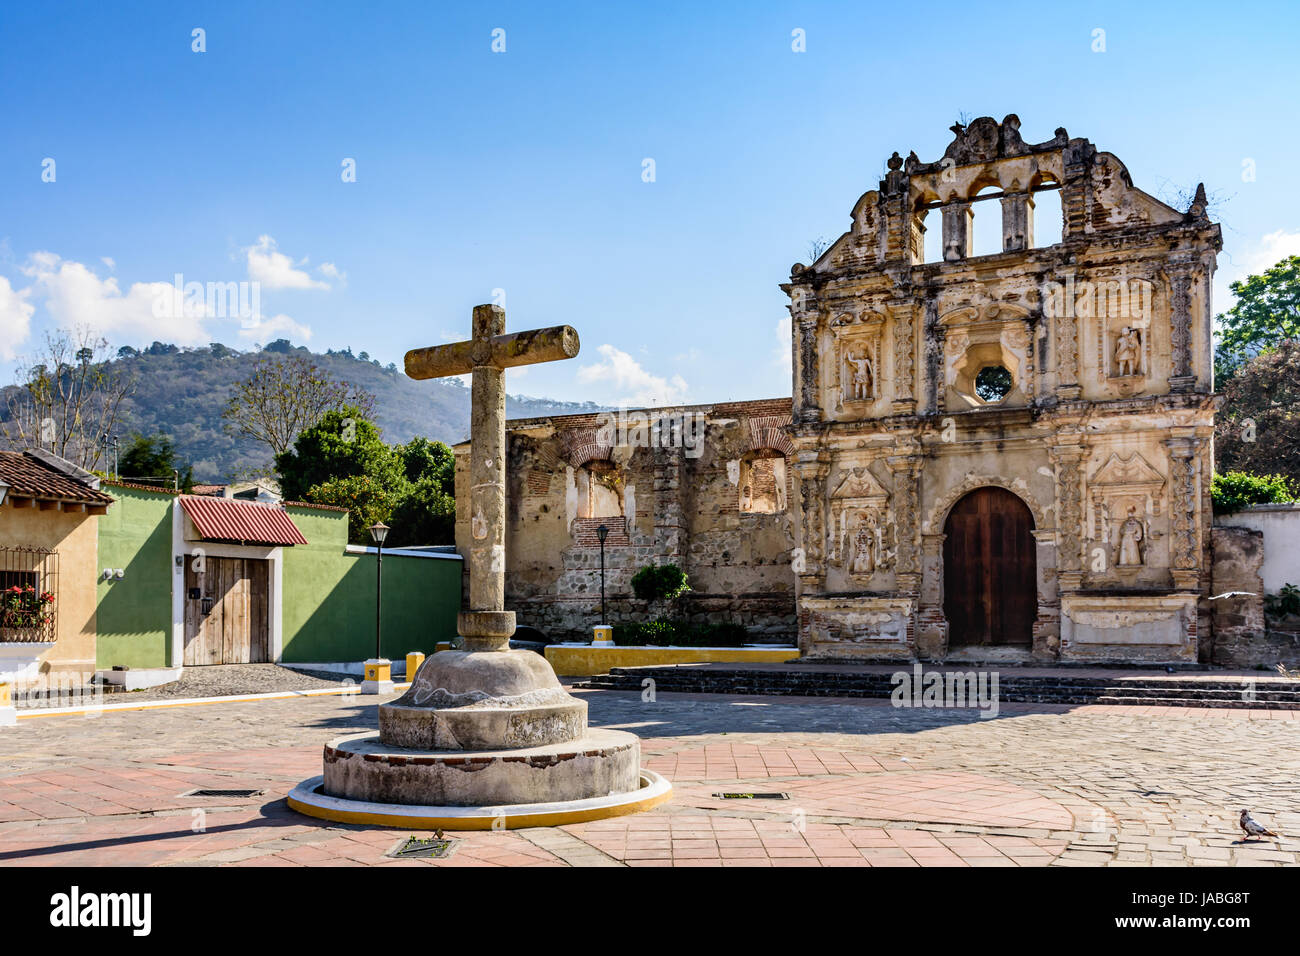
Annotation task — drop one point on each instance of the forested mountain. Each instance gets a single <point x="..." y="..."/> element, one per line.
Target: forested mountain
<point x="181" y="392"/>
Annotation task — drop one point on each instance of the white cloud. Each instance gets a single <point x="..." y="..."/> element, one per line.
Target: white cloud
<point x="275" y="270"/>
<point x="73" y="295"/>
<point x="629" y="383"/>
<point x="15" y="318"/>
<point x="781" y="352"/>
<point x="1252" y="258"/>
<point x="277" y="327"/>
<point x="109" y="261"/>
<point x="332" y="271"/>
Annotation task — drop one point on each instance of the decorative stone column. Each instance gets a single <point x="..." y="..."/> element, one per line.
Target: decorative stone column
<point x="812" y="470"/>
<point x="1184" y="513"/>
<point x="1047" y="624"/>
<point x="1017" y="222"/>
<point x="957" y="232"/>
<point x="1069" y="515"/>
<point x="903" y="315"/>
<point x="807" y="384"/>
<point x="931" y="622"/>
<point x="1065" y="327"/>
<point x="1181" y="378"/>
<point x="906" y="506"/>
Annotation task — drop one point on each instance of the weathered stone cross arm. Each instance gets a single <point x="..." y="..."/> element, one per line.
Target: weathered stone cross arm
<point x="507" y="350"/>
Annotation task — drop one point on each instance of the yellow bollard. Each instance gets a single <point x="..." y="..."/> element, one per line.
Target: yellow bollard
<point x="379" y="676"/>
<point x="413" y="662"/>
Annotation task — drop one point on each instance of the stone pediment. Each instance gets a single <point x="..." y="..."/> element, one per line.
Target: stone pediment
<point x="991" y="312"/>
<point x="860" y="483"/>
<point x="1131" y="472"/>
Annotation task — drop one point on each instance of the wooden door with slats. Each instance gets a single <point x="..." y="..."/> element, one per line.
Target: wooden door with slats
<point x="227" y="618"/>
<point x="990" y="575"/>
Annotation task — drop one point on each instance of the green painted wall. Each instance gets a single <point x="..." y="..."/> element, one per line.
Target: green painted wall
<point x="134" y="613"/>
<point x="328" y="605"/>
<point x="329" y="596"/>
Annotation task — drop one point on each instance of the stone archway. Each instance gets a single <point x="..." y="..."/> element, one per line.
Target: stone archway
<point x="990" y="570"/>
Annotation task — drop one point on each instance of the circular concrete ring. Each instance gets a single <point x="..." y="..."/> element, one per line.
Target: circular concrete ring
<point x="306" y="798"/>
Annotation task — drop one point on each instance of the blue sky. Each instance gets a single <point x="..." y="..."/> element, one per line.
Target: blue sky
<point x="522" y="171"/>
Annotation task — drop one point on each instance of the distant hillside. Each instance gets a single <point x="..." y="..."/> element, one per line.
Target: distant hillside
<point x="181" y="392"/>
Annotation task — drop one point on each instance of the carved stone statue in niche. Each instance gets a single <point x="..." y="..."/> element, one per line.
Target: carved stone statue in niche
<point x="1132" y="541"/>
<point x="863" y="377"/>
<point x="864" y="546"/>
<point x="1128" y="349"/>
<point x="862" y="535"/>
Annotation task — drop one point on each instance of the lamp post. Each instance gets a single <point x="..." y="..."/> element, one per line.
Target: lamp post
<point x="379" y="678"/>
<point x="602" y="533"/>
<point x="604" y="634"/>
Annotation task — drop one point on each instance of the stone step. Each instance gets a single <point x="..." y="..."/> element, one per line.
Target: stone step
<point x="1053" y="689"/>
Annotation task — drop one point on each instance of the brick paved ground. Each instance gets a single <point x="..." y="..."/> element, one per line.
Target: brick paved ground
<point x="869" y="785"/>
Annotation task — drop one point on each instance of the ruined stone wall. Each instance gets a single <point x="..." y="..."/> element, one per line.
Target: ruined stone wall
<point x="1241" y="637"/>
<point x="675" y="476"/>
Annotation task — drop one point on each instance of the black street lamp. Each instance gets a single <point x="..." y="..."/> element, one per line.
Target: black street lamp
<point x="602" y="533"/>
<point x="378" y="531"/>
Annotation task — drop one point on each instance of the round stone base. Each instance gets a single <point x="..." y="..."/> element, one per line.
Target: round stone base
<point x="483" y="700"/>
<point x="309" y="798"/>
<point x="599" y="764"/>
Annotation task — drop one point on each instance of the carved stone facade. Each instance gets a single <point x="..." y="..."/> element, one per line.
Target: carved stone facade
<point x="1075" y="375"/>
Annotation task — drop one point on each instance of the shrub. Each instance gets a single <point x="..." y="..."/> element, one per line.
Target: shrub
<point x="660" y="582"/>
<point x="1284" y="602"/>
<point x="1235" y="490"/>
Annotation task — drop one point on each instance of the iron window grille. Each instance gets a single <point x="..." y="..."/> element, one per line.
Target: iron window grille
<point x="29" y="587"/>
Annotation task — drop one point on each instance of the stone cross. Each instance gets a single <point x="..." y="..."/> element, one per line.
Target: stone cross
<point x="487" y="354"/>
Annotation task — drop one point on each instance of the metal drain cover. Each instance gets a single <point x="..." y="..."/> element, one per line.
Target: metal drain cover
<point x="422" y="848"/>
<point x="223" y="793"/>
<point x="752" y="796"/>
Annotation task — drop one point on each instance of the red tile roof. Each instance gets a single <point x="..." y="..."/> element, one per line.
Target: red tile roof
<point x="227" y="519"/>
<point x="29" y="477"/>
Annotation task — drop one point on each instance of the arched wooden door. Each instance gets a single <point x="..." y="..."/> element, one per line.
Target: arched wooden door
<point x="990" y="591"/>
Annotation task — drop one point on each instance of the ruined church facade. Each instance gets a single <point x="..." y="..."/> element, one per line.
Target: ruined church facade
<point x="1005" y="456"/>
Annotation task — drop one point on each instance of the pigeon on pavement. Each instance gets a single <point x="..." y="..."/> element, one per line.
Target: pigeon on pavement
<point x="1252" y="826"/>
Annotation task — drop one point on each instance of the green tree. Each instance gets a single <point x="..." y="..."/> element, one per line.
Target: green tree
<point x="286" y="395"/>
<point x="154" y="456"/>
<point x="423" y="458"/>
<point x="343" y="444"/>
<point x="423" y="514"/>
<point x="366" y="498"/>
<point x="1266" y="312"/>
<point x="1258" y="426"/>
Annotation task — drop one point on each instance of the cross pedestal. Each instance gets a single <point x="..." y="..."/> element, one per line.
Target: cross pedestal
<point x="485" y="736"/>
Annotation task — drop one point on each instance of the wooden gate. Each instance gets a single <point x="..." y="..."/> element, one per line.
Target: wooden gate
<point x="990" y="581"/>
<point x="227" y="612"/>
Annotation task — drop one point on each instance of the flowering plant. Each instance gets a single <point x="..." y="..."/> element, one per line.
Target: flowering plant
<point x="25" y="607"/>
